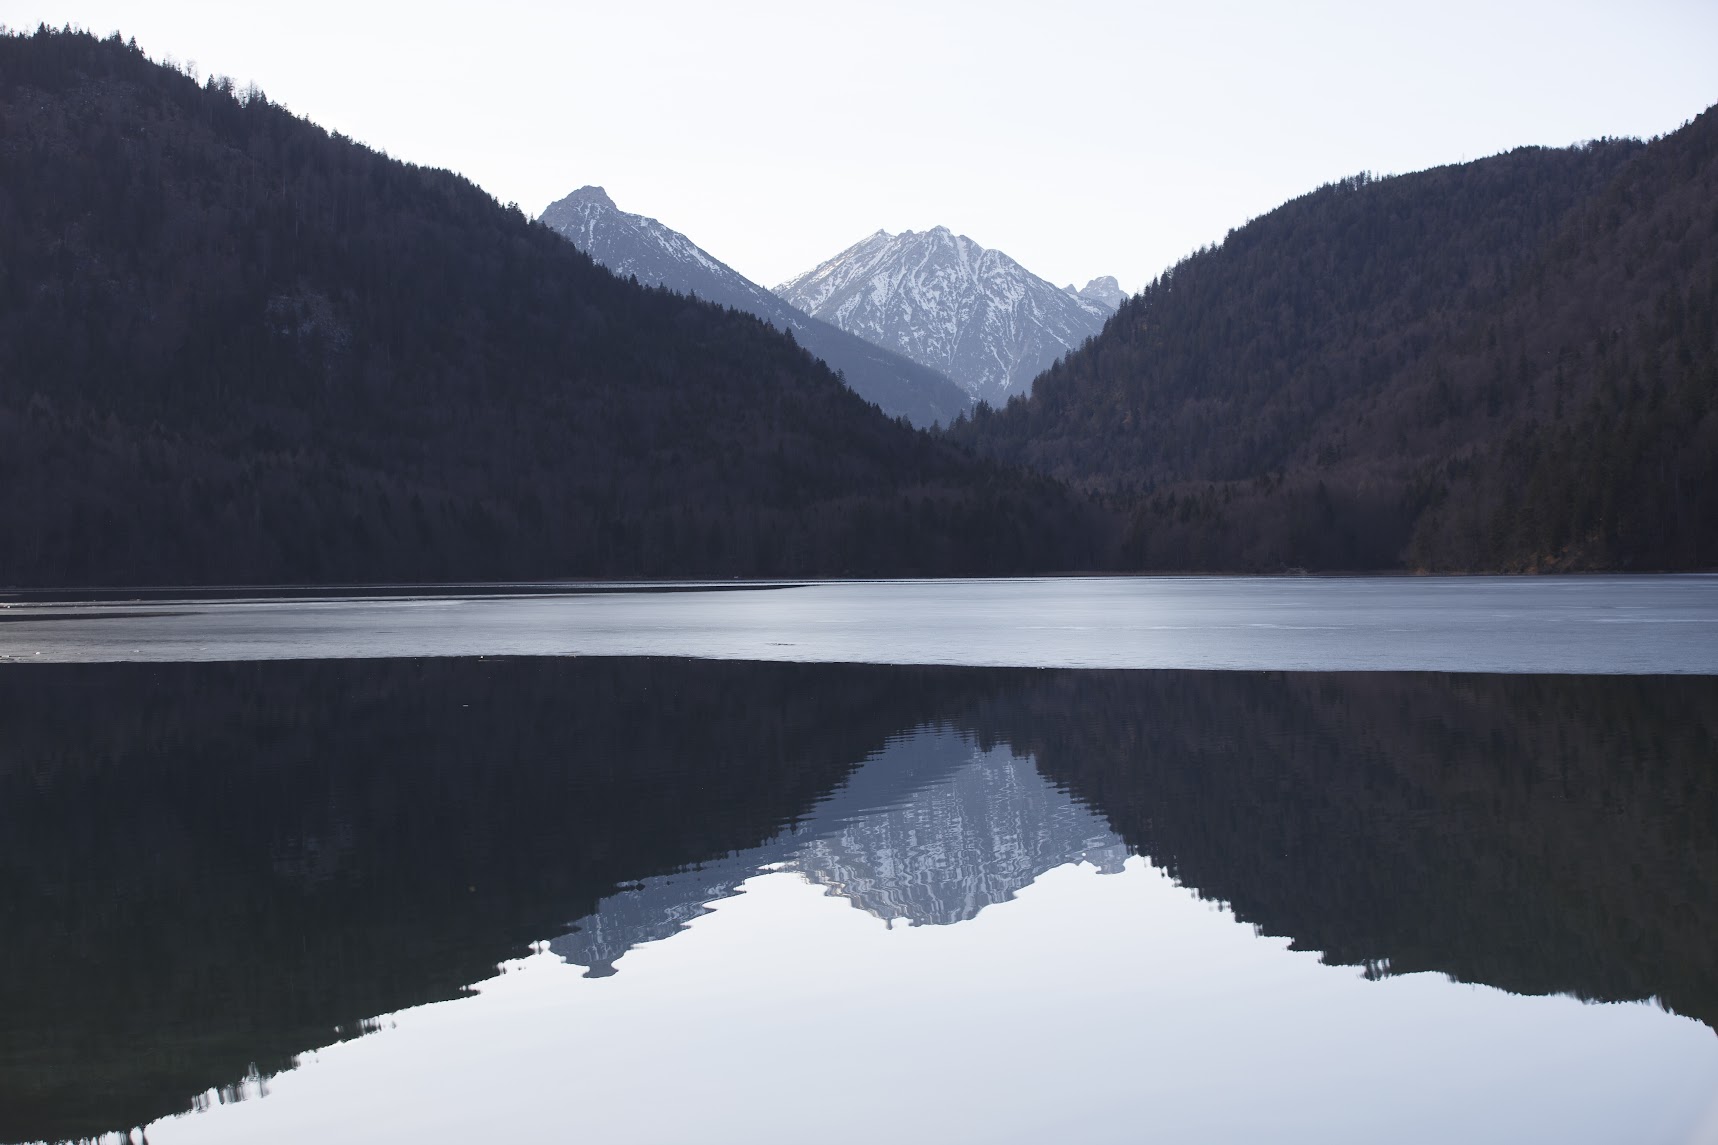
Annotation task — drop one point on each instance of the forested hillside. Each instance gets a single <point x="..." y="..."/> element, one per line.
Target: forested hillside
<point x="234" y="347"/>
<point x="1507" y="364"/>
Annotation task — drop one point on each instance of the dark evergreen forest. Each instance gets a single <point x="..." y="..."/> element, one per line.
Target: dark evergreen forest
<point x="1508" y="364"/>
<point x="236" y="348"/>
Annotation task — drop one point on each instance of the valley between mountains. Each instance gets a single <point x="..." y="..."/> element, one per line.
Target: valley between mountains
<point x="236" y="348"/>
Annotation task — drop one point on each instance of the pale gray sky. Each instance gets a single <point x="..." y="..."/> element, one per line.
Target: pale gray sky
<point x="1083" y="137"/>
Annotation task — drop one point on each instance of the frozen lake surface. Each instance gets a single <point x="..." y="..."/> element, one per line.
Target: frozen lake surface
<point x="1600" y="624"/>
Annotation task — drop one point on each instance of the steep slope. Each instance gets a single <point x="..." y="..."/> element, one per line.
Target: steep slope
<point x="1507" y="364"/>
<point x="948" y="303"/>
<point x="642" y="248"/>
<point x="236" y="348"/>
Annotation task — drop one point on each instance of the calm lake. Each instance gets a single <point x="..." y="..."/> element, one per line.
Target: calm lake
<point x="1428" y="861"/>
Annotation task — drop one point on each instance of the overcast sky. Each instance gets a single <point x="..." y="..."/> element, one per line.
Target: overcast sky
<point x="1083" y="137"/>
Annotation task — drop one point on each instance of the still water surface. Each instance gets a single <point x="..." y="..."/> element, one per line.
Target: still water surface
<point x="662" y="900"/>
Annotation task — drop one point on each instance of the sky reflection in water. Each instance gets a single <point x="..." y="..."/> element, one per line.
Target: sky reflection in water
<point x="1091" y="1008"/>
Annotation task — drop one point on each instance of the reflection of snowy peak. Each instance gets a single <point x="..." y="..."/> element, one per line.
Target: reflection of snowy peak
<point x="633" y="245"/>
<point x="946" y="302"/>
<point x="956" y="847"/>
<point x="928" y="830"/>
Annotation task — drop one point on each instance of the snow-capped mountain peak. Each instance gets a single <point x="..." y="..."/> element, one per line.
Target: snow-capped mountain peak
<point x="951" y="304"/>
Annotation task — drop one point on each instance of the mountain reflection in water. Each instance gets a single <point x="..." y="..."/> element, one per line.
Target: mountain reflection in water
<point x="929" y="830"/>
<point x="206" y="870"/>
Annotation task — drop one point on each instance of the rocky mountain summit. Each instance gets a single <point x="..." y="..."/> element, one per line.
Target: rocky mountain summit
<point x="948" y="303"/>
<point x="1105" y="291"/>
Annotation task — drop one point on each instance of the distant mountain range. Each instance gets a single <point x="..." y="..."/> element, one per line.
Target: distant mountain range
<point x="898" y="316"/>
<point x="640" y="247"/>
<point x="948" y="303"/>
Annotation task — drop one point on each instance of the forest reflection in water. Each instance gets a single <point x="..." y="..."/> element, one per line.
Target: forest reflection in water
<point x="207" y="870"/>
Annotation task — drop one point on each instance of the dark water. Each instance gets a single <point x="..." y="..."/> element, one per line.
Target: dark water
<point x="949" y="904"/>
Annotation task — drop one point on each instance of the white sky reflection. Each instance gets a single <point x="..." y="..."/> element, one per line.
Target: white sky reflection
<point x="1089" y="1008"/>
